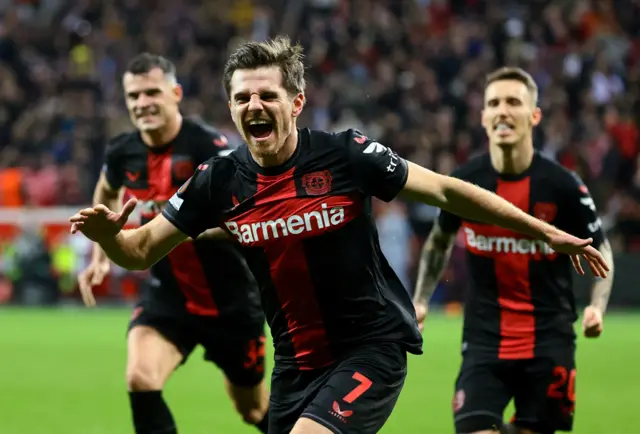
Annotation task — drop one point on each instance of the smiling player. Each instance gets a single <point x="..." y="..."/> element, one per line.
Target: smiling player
<point x="202" y="292"/>
<point x="518" y="339"/>
<point x="298" y="201"/>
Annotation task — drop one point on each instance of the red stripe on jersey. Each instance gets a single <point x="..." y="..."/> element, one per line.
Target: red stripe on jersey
<point x="517" y="323"/>
<point x="187" y="269"/>
<point x="291" y="278"/>
<point x="292" y="219"/>
<point x="159" y="169"/>
<point x="272" y="189"/>
<point x="183" y="260"/>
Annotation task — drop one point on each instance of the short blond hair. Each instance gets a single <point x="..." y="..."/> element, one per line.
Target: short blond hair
<point x="517" y="74"/>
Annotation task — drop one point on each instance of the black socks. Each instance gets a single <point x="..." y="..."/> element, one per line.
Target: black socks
<point x="151" y="414"/>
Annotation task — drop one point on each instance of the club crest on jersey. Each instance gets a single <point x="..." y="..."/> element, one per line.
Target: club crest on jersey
<point x="317" y="183"/>
<point x="545" y="211"/>
<point x="182" y="169"/>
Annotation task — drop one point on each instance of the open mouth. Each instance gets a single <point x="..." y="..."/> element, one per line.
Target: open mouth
<point x="503" y="128"/>
<point x="260" y="128"/>
<point x="147" y="113"/>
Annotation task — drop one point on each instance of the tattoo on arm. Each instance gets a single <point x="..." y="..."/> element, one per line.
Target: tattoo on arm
<point x="601" y="289"/>
<point x="433" y="258"/>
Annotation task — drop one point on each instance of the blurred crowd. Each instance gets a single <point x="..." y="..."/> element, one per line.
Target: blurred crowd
<point x="407" y="72"/>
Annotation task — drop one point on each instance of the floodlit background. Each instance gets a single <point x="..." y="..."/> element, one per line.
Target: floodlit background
<point x="406" y="72"/>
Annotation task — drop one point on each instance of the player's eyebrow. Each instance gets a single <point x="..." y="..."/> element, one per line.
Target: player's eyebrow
<point x="241" y="94"/>
<point x="509" y="98"/>
<point x="263" y="93"/>
<point x="148" y="91"/>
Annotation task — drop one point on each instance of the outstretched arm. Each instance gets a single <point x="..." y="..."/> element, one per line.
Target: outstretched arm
<point x="380" y="172"/>
<point x="134" y="249"/>
<point x="474" y="203"/>
<point x="139" y="249"/>
<point x="190" y="210"/>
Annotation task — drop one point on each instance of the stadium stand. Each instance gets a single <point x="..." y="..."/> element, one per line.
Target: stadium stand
<point x="408" y="73"/>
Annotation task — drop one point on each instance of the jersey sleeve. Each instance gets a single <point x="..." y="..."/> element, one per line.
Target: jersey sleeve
<point x="377" y="170"/>
<point x="193" y="208"/>
<point x="215" y="144"/>
<point x="112" y="166"/>
<point x="448" y="222"/>
<point x="581" y="214"/>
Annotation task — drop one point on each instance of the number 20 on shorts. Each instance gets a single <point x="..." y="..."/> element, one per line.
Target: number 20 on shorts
<point x="563" y="378"/>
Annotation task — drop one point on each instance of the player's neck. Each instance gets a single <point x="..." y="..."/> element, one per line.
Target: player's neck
<point x="165" y="135"/>
<point x="283" y="155"/>
<point x="511" y="161"/>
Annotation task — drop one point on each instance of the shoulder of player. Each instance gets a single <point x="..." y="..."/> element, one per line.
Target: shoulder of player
<point x="122" y="140"/>
<point x="476" y="167"/>
<point x="337" y="140"/>
<point x="562" y="177"/>
<point x="199" y="128"/>
<point x="219" y="168"/>
<point x="122" y="145"/>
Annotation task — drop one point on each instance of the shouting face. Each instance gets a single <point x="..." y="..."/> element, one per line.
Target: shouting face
<point x="262" y="109"/>
<point x="509" y="113"/>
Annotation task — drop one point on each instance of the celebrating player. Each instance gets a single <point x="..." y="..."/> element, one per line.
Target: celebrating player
<point x="518" y="339"/>
<point x="200" y="293"/>
<point x="298" y="202"/>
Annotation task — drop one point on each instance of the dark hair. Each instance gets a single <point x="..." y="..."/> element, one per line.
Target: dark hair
<point x="517" y="74"/>
<point x="273" y="52"/>
<point x="145" y="62"/>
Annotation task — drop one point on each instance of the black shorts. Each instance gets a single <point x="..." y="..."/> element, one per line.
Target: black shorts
<point x="543" y="390"/>
<point x="237" y="350"/>
<point x="354" y="395"/>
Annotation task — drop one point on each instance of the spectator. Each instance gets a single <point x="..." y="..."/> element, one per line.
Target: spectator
<point x="408" y="73"/>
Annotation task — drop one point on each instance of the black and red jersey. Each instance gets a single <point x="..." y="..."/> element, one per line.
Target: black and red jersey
<point x="521" y="301"/>
<point x="205" y="277"/>
<point x="311" y="242"/>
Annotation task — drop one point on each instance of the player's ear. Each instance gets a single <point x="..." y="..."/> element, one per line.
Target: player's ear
<point x="536" y="116"/>
<point x="483" y="120"/>
<point x="298" y="105"/>
<point x="178" y="93"/>
<point x="233" y="112"/>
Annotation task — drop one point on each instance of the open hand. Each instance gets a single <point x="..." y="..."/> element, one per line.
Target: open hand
<point x="578" y="248"/>
<point x="100" y="222"/>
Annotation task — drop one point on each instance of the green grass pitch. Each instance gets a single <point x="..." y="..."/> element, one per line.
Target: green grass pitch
<point x="61" y="372"/>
